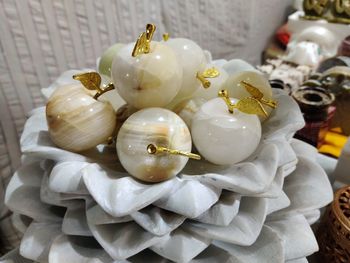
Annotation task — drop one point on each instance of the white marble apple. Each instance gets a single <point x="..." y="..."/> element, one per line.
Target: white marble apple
<point x="160" y="128"/>
<point x="222" y="137"/>
<point x="234" y="66"/>
<point x="192" y="59"/>
<point x="123" y="113"/>
<point x="76" y="120"/>
<point x="188" y="108"/>
<point x="237" y="90"/>
<point x="147" y="80"/>
<point x="106" y="59"/>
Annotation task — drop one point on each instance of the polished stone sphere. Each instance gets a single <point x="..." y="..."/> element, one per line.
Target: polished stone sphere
<point x="147" y="80"/>
<point x="105" y="63"/>
<point x="159" y="127"/>
<point x="76" y="120"/>
<point x="192" y="59"/>
<point x="237" y="90"/>
<point x="224" y="138"/>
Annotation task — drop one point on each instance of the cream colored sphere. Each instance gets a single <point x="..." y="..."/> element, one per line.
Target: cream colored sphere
<point x="236" y="89"/>
<point x="147" y="80"/>
<point x="156" y="126"/>
<point x="192" y="59"/>
<point x="224" y="138"/>
<point x="77" y="121"/>
<point x="234" y="66"/>
<point x="188" y="108"/>
<point x="105" y="63"/>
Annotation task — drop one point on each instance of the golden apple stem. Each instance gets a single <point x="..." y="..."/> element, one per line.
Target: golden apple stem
<point x="205" y="83"/>
<point x="166" y="36"/>
<point x="143" y="43"/>
<point x="154" y="149"/>
<point x="270" y="103"/>
<point x="208" y="73"/>
<point x="109" y="87"/>
<point x="224" y="95"/>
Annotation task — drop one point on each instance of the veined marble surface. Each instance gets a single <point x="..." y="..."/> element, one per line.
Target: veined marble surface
<point x="76" y="120"/>
<point x="156" y="126"/>
<point x="147" y="80"/>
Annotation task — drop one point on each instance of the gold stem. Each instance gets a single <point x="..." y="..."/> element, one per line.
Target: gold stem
<point x="154" y="149"/>
<point x="100" y="91"/>
<point x="270" y="103"/>
<point x="205" y="83"/>
<point x="166" y="36"/>
<point x="224" y="95"/>
<point x="150" y="28"/>
<point x="143" y="43"/>
<point x="208" y="73"/>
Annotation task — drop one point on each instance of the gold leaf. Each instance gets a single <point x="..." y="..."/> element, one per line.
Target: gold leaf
<point x="90" y="80"/>
<point x="251" y="106"/>
<point x="211" y="73"/>
<point x="255" y="92"/>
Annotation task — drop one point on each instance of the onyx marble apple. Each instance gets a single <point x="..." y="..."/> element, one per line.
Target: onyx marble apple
<point x="234" y="66"/>
<point x="147" y="80"/>
<point x="123" y="113"/>
<point x="222" y="137"/>
<point x="76" y="120"/>
<point x="192" y="60"/>
<point x="237" y="89"/>
<point x="188" y="108"/>
<point x="160" y="128"/>
<point x="105" y="63"/>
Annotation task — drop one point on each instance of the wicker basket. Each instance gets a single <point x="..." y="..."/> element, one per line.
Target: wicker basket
<point x="334" y="232"/>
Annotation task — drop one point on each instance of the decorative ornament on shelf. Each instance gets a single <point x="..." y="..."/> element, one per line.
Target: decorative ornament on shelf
<point x="336" y="11"/>
<point x="341" y="11"/>
<point x="315" y="9"/>
<point x="77" y="121"/>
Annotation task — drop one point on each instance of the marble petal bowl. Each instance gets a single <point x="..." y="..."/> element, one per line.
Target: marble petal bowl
<point x="258" y="210"/>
